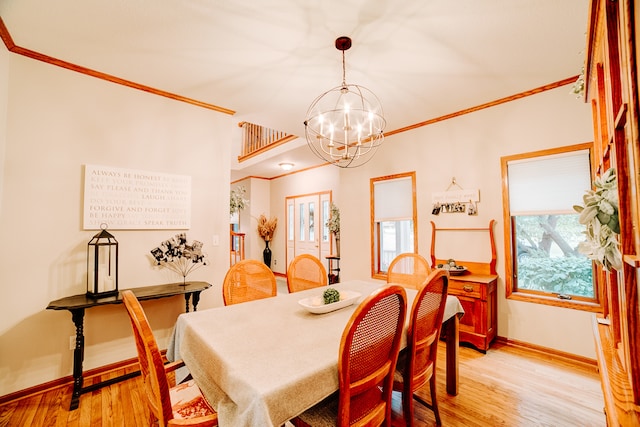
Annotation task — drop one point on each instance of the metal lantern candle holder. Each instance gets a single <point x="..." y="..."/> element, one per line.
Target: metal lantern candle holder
<point x="102" y="265"/>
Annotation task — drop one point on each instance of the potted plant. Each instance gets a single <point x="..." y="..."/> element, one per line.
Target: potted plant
<point x="237" y="202"/>
<point x="333" y="223"/>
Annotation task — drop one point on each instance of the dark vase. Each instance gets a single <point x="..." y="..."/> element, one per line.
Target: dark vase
<point x="266" y="254"/>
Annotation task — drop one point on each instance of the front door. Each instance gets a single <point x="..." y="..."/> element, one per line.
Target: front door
<point x="307" y="232"/>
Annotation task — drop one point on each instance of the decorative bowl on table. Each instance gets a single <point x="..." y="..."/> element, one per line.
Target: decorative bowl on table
<point x="457" y="270"/>
<point x="453" y="268"/>
<point x="316" y="305"/>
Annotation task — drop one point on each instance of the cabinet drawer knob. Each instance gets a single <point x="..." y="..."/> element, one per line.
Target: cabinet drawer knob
<point x="467" y="288"/>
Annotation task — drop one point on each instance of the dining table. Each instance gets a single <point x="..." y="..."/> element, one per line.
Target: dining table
<point x="263" y="362"/>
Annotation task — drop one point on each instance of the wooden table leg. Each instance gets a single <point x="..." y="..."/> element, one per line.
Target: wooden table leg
<point x="78" y="356"/>
<point x="187" y="296"/>
<point x="195" y="300"/>
<point x="451" y="327"/>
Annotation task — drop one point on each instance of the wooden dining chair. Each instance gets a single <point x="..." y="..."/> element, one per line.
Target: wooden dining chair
<point x="306" y="272"/>
<point x="366" y="363"/>
<point x="248" y="280"/>
<point x="408" y="269"/>
<point x="183" y="404"/>
<point x="417" y="362"/>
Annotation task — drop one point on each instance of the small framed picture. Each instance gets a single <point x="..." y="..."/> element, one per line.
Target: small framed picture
<point x="473" y="209"/>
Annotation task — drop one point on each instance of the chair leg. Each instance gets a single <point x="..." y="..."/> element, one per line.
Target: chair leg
<point x="407" y="406"/>
<point x="297" y="422"/>
<point x="434" y="401"/>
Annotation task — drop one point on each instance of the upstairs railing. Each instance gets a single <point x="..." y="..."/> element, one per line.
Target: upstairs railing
<point x="257" y="139"/>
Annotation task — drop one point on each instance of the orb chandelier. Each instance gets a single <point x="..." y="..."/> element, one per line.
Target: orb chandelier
<point x="344" y="126"/>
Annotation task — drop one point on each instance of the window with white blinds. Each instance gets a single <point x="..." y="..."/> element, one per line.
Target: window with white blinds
<point x="549" y="184"/>
<point x="393" y="199"/>
<point x="542" y="257"/>
<point x="393" y="220"/>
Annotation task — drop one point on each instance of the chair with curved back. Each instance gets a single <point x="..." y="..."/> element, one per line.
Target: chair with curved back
<point x="306" y="272"/>
<point x="181" y="405"/>
<point x="248" y="280"/>
<point x="366" y="363"/>
<point x="417" y="362"/>
<point x="408" y="269"/>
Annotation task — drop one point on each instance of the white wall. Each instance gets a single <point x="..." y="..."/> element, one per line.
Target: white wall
<point x="4" y="96"/>
<point x="468" y="148"/>
<point x="56" y="122"/>
<point x="260" y="204"/>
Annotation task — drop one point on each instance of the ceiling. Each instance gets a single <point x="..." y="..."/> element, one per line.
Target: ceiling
<point x="269" y="59"/>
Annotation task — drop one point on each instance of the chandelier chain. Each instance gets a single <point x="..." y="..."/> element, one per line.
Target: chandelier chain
<point x="344" y="72"/>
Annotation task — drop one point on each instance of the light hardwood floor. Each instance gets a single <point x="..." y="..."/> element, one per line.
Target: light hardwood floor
<point x="508" y="386"/>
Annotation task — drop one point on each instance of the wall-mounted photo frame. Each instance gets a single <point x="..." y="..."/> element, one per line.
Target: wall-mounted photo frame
<point x="458" y="200"/>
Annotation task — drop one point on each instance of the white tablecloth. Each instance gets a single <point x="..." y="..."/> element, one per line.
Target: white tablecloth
<point x="263" y="362"/>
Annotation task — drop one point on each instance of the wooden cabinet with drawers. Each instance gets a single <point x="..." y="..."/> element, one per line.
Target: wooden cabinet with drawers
<point x="477" y="294"/>
<point x="476" y="289"/>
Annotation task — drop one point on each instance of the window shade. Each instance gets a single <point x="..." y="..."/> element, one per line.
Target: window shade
<point x="393" y="199"/>
<point x="548" y="184"/>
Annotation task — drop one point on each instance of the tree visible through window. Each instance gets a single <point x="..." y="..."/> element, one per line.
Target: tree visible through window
<point x="548" y="260"/>
<point x="542" y="231"/>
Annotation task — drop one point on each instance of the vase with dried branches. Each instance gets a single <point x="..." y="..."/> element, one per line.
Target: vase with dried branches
<point x="266" y="228"/>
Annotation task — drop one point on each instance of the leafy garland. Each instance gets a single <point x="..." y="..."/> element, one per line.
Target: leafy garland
<point x="600" y="215"/>
<point x="578" y="85"/>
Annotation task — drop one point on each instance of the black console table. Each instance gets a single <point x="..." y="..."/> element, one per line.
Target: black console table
<point x="77" y="304"/>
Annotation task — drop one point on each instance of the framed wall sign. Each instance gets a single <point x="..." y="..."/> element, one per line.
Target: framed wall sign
<point x="127" y="199"/>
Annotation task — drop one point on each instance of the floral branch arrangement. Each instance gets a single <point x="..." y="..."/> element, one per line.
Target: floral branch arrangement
<point x="333" y="223"/>
<point x="266" y="228"/>
<point x="600" y="215"/>
<point x="177" y="255"/>
<point x="237" y="202"/>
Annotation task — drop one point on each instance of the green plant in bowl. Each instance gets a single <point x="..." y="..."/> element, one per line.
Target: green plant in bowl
<point x="331" y="295"/>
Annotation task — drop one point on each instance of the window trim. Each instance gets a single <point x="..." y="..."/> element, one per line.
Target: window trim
<point x="375" y="227"/>
<point x="511" y="291"/>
